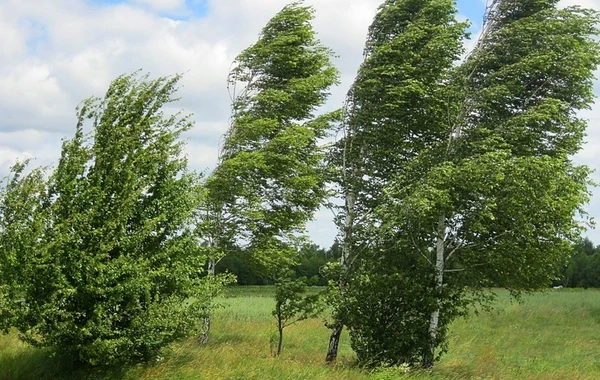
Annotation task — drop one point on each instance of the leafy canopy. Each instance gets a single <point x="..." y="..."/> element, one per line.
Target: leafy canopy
<point x="113" y="271"/>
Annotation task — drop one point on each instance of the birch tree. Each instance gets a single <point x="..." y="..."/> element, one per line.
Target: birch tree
<point x="269" y="180"/>
<point x="491" y="194"/>
<point x="393" y="110"/>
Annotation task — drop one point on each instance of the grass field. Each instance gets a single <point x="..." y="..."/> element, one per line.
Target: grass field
<point x="552" y="335"/>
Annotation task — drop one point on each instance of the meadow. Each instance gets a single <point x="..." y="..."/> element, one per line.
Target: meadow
<point x="550" y="335"/>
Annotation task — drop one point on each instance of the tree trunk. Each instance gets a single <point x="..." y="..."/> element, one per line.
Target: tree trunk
<point x="336" y="331"/>
<point x="203" y="338"/>
<point x="280" y="343"/>
<point x="434" y="320"/>
<point x="334" y="342"/>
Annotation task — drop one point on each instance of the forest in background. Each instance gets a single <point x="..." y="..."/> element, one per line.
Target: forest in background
<point x="582" y="271"/>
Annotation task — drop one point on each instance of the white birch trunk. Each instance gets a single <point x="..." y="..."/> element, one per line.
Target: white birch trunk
<point x="348" y="224"/>
<point x="203" y="338"/>
<point x="336" y="331"/>
<point x="439" y="282"/>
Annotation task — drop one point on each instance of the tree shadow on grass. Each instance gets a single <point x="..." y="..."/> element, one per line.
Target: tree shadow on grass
<point x="38" y="364"/>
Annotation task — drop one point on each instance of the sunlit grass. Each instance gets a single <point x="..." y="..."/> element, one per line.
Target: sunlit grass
<point x="552" y="335"/>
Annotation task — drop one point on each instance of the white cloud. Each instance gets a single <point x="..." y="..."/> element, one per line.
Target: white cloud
<point x="594" y="4"/>
<point x="55" y="53"/>
<point x="12" y="38"/>
<point x="30" y="96"/>
<point x="201" y="155"/>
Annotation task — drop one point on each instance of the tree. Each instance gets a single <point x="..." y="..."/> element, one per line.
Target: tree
<point x="246" y="268"/>
<point x="115" y="272"/>
<point x="291" y="305"/>
<point x="269" y="180"/>
<point x="583" y="269"/>
<point x="490" y="194"/>
<point x="392" y="111"/>
<point x="22" y="222"/>
<point x="309" y="263"/>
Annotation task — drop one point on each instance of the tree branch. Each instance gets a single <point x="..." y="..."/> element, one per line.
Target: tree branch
<point x="419" y="250"/>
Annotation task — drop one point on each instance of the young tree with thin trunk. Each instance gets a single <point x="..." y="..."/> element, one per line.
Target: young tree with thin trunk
<point x="292" y="305"/>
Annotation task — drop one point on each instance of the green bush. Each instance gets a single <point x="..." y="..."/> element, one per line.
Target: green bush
<point x="388" y="312"/>
<point x="112" y="267"/>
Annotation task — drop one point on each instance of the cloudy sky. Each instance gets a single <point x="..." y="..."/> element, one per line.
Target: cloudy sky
<point x="55" y="53"/>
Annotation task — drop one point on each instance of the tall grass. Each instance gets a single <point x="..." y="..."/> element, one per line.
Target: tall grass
<point x="552" y="335"/>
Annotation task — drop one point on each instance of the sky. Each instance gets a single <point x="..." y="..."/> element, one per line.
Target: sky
<point x="55" y="53"/>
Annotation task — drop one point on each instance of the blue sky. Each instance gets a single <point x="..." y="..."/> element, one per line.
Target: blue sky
<point x="189" y="8"/>
<point x="472" y="9"/>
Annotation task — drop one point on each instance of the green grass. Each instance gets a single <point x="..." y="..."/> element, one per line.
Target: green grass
<point x="553" y="335"/>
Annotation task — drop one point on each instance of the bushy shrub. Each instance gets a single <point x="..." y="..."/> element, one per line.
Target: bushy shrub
<point x="112" y="271"/>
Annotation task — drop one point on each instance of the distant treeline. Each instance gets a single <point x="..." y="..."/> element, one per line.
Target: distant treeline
<point x="309" y="262"/>
<point x="583" y="270"/>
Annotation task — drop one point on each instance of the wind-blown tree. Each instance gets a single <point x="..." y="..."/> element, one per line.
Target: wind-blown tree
<point x="490" y="195"/>
<point x="394" y="108"/>
<point x="116" y="271"/>
<point x="269" y="180"/>
<point x="22" y="222"/>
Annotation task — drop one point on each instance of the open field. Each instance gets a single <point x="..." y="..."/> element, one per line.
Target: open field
<point x="552" y="335"/>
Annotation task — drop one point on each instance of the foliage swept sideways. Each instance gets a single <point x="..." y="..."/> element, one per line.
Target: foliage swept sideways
<point x="113" y="271"/>
<point x="21" y="224"/>
<point x="488" y="193"/>
<point x="394" y="108"/>
<point x="270" y="179"/>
